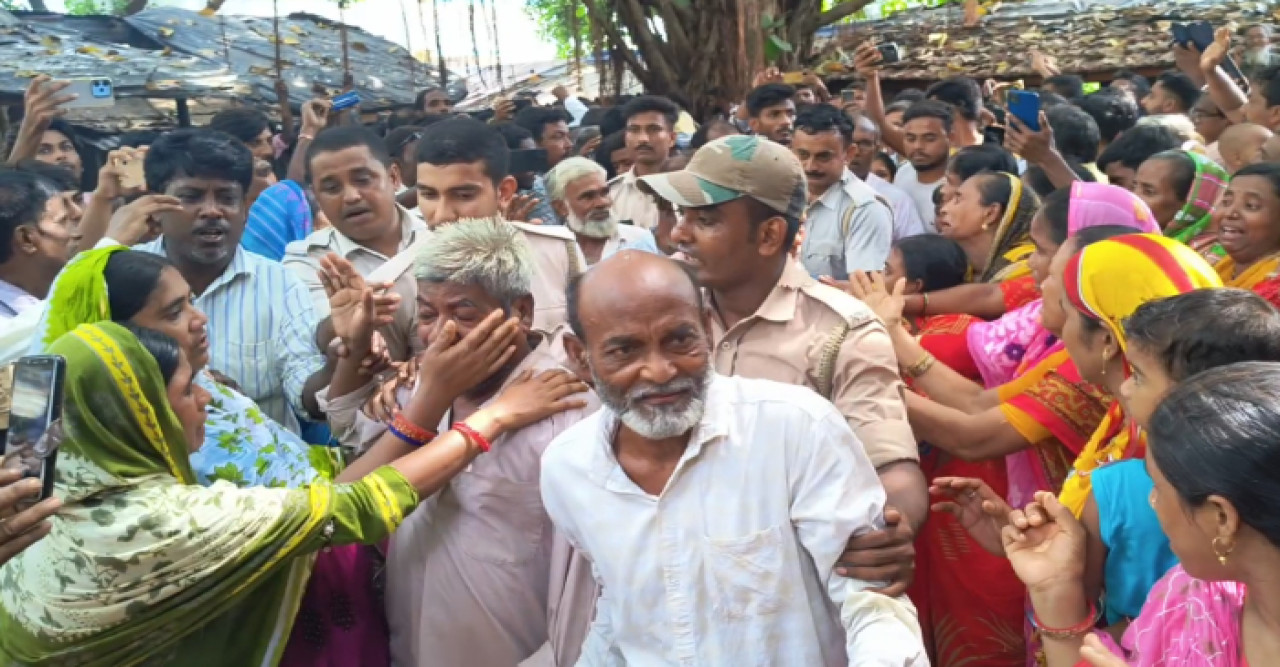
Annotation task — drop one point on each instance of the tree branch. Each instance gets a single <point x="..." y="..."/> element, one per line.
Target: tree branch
<point x="841" y="11"/>
<point x="602" y="23"/>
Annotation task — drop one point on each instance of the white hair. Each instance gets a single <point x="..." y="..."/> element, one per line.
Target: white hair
<point x="486" y="252"/>
<point x="568" y="171"/>
<point x="1179" y="124"/>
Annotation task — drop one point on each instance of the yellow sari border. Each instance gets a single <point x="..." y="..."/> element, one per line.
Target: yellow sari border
<point x="122" y="374"/>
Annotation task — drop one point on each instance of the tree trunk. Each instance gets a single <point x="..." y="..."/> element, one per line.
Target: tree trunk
<point x="37" y="5"/>
<point x="133" y="7"/>
<point x="435" y="23"/>
<point x="711" y="49"/>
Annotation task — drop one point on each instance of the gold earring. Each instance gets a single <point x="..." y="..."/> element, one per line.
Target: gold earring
<point x="1106" y="358"/>
<point x="1220" y="552"/>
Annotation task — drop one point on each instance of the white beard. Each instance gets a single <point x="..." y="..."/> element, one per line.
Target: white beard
<point x="592" y="229"/>
<point x="657" y="423"/>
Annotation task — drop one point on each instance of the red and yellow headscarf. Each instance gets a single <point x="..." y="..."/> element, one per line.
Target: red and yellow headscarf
<point x="1107" y="281"/>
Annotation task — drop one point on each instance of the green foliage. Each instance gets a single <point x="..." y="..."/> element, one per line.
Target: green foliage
<point x="86" y="7"/>
<point x="891" y="7"/>
<point x="552" y="17"/>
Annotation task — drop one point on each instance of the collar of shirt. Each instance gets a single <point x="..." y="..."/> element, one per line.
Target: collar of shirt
<point x="410" y="227"/>
<point x="14" y="299"/>
<point x="714" y="425"/>
<point x="780" y="304"/>
<point x="835" y="194"/>
<point x="239" y="266"/>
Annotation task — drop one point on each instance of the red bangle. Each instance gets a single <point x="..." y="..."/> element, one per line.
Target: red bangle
<point x="1079" y="630"/>
<point x="411" y="431"/>
<point x="473" y="436"/>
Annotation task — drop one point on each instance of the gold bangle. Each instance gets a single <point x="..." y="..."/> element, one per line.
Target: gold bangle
<point x="924" y="310"/>
<point x="921" y="367"/>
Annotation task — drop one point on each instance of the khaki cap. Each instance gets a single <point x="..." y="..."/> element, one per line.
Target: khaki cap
<point x="737" y="166"/>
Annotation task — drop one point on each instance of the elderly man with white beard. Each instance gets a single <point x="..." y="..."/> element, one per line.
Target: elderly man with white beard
<point x="712" y="508"/>
<point x="579" y="193"/>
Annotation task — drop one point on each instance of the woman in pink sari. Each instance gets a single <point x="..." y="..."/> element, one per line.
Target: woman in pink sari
<point x="1017" y="342"/>
<point x="1211" y="448"/>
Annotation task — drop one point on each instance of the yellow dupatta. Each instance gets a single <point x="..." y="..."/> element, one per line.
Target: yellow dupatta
<point x="1106" y="282"/>
<point x="1012" y="246"/>
<point x="1260" y="271"/>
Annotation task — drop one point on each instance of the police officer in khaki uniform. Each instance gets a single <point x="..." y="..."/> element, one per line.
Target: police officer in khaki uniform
<point x="742" y="199"/>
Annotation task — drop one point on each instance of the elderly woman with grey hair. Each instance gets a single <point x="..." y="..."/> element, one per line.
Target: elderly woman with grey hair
<point x="579" y="192"/>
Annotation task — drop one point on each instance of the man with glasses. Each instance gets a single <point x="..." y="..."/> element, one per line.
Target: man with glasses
<point x="848" y="228"/>
<point x="866" y="145"/>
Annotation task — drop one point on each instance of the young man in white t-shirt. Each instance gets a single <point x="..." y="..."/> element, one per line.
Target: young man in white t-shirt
<point x="926" y="128"/>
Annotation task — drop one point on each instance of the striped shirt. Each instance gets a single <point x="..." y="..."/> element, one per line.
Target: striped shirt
<point x="262" y="331"/>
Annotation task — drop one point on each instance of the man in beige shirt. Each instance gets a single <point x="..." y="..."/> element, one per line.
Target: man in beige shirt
<point x="355" y="181"/>
<point x="650" y="136"/>
<point x="477" y="574"/>
<point x="463" y="173"/>
<point x="743" y="197"/>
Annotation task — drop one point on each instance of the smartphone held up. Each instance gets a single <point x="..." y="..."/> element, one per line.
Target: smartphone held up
<point x="34" y="431"/>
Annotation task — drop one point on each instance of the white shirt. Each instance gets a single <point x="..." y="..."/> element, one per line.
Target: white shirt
<point x="630" y="203"/>
<point x="733" y="563"/>
<point x="921" y="193"/>
<point x="906" y="219"/>
<point x="629" y="236"/>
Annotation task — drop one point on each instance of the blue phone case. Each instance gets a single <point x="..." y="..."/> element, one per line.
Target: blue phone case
<point x="345" y="101"/>
<point x="1025" y="106"/>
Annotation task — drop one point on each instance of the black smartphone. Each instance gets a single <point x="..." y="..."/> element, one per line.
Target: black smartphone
<point x="534" y="160"/>
<point x="522" y="103"/>
<point x="1181" y="35"/>
<point x="37" y="403"/>
<point x="889" y="53"/>
<point x="1200" y="35"/>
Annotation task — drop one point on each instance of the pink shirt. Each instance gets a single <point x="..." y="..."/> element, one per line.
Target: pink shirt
<point x="472" y="572"/>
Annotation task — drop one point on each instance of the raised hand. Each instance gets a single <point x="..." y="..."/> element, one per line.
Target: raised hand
<point x="451" y="365"/>
<point x="111" y="177"/>
<point x="354" y="309"/>
<point x="978" y="508"/>
<point x="530" y="399"/>
<point x="138" y="220"/>
<point x="1217" y="51"/>
<point x="519" y="207"/>
<point x="869" y="287"/>
<point x="315" y="116"/>
<point x="1045" y="544"/>
<point x="20" y="528"/>
<point x="44" y="101"/>
<point x="1021" y="140"/>
<point x="867" y="58"/>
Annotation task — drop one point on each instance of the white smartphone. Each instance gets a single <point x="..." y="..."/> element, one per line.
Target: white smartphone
<point x="96" y="93"/>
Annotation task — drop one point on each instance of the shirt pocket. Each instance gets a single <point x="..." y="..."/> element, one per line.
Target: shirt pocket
<point x="746" y="573"/>
<point x="824" y="258"/>
<point x="249" y="365"/>
<point x="500" y="521"/>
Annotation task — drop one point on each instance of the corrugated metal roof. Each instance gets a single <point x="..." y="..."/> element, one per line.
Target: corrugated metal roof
<point x="1084" y="36"/>
<point x="168" y="53"/>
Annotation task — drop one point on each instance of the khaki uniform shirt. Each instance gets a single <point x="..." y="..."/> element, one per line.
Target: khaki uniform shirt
<point x="556" y="258"/>
<point x="787" y="339"/>
<point x="303" y="258"/>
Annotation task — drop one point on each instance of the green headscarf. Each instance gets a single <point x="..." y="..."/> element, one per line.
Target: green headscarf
<point x="1193" y="218"/>
<point x="79" y="295"/>
<point x="144" y="565"/>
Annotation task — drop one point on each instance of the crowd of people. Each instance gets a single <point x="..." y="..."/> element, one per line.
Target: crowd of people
<point x="829" y="379"/>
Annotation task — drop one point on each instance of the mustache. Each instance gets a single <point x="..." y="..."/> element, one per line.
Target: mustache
<point x="219" y="225"/>
<point x="647" y="390"/>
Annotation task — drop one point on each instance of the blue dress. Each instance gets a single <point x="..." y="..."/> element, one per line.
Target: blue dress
<point x="1138" y="552"/>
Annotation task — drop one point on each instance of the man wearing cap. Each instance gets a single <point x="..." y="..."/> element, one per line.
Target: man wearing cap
<point x="742" y="198"/>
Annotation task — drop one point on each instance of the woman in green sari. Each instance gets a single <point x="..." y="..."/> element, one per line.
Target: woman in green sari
<point x="145" y="566"/>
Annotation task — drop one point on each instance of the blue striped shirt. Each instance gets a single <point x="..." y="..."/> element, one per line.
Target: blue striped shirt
<point x="262" y="331"/>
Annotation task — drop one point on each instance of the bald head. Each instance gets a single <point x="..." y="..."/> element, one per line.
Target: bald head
<point x="626" y="284"/>
<point x="1241" y="145"/>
